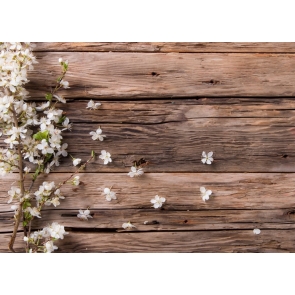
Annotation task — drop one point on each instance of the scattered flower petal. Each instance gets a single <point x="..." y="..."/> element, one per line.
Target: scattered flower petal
<point x="84" y="215"/>
<point x="208" y="159"/>
<point x="93" y="105"/>
<point x="128" y="225"/>
<point x="205" y="193"/>
<point x="76" y="162"/>
<point x="110" y="195"/>
<point x="157" y="201"/>
<point x="135" y="172"/>
<point x="256" y="231"/>
<point x="105" y="156"/>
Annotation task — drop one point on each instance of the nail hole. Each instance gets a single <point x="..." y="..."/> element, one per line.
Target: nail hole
<point x="155" y="74"/>
<point x="285" y="156"/>
<point x="185" y="221"/>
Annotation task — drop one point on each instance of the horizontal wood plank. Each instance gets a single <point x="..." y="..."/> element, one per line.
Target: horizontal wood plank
<point x="245" y="136"/>
<point x="214" y="47"/>
<point x="162" y="220"/>
<point x="166" y="75"/>
<point x="269" y="241"/>
<point x="181" y="190"/>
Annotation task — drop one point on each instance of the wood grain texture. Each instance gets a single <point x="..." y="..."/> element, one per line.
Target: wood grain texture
<point x="168" y="102"/>
<point x="182" y="190"/>
<point x="166" y="75"/>
<point x="269" y="241"/>
<point x="162" y="220"/>
<point x="245" y="136"/>
<point x="271" y="47"/>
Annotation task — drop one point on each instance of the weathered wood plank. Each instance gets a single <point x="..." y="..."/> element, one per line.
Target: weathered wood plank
<point x="269" y="241"/>
<point x="164" y="111"/>
<point x="159" y="220"/>
<point x="166" y="75"/>
<point x="271" y="47"/>
<point x="173" y="134"/>
<point x="181" y="190"/>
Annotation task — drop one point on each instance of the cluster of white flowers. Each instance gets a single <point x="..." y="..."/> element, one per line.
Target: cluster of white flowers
<point x="36" y="130"/>
<point x="42" y="241"/>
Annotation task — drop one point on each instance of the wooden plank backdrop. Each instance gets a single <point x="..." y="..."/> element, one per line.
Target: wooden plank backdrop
<point x="168" y="102"/>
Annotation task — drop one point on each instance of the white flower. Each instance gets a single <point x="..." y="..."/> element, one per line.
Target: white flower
<point x="55" y="230"/>
<point x="66" y="123"/>
<point x="27" y="169"/>
<point x="44" y="147"/>
<point x="97" y="134"/>
<point x="13" y="193"/>
<point x="33" y="211"/>
<point x="105" y="156"/>
<point x="256" y="231"/>
<point x="62" y="150"/>
<point x="76" y="161"/>
<point x="135" y="172"/>
<point x="205" y="193"/>
<point x="93" y="105"/>
<point x="65" y="84"/>
<point x="84" y="215"/>
<point x="208" y="159"/>
<point x="109" y="194"/>
<point x="60" y="98"/>
<point x="127" y="225"/>
<point x="60" y="60"/>
<point x="26" y="239"/>
<point x="50" y="247"/>
<point x="76" y="180"/>
<point x="157" y="201"/>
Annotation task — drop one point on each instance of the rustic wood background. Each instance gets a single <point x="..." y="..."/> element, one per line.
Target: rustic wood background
<point x="168" y="102"/>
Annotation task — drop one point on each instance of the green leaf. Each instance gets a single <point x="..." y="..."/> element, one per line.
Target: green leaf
<point x="48" y="96"/>
<point x="61" y="119"/>
<point x="41" y="135"/>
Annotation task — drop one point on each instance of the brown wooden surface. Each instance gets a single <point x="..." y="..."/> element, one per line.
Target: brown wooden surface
<point x="167" y="102"/>
<point x="131" y="75"/>
<point x="275" y="47"/>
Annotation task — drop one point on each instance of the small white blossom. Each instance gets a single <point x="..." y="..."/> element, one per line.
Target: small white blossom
<point x="128" y="225"/>
<point x="76" y="180"/>
<point x="27" y="169"/>
<point x="65" y="84"/>
<point x="33" y="211"/>
<point x="66" y="124"/>
<point x="44" y="147"/>
<point x="62" y="150"/>
<point x="205" y="193"/>
<point x="76" y="161"/>
<point x="60" y="60"/>
<point x="26" y="239"/>
<point x="135" y="172"/>
<point x="93" y="105"/>
<point x="97" y="134"/>
<point x="157" y="201"/>
<point x="84" y="215"/>
<point x="55" y="230"/>
<point x="105" y="156"/>
<point x="256" y="231"/>
<point x="50" y="247"/>
<point x="110" y="195"/>
<point x="208" y="159"/>
<point x="60" y="98"/>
